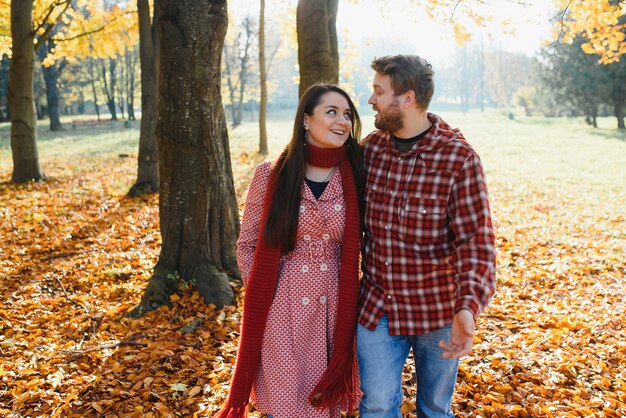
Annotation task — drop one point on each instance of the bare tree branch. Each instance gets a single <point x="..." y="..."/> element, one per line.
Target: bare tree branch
<point x="49" y="25"/>
<point x="562" y="14"/>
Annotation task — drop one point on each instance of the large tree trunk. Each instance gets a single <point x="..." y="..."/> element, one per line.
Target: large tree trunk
<point x="51" y="77"/>
<point x="199" y="217"/>
<point x="21" y="95"/>
<point x="263" y="82"/>
<point x="147" y="160"/>
<point x="318" y="56"/>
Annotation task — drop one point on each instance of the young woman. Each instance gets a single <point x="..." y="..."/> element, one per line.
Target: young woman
<point x="298" y="252"/>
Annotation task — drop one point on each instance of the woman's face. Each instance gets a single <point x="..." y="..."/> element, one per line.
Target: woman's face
<point x="330" y="124"/>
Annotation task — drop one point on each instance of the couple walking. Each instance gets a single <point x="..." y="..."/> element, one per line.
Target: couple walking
<point x="411" y="202"/>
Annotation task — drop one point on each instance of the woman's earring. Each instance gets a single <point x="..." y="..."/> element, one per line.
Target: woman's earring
<point x="306" y="137"/>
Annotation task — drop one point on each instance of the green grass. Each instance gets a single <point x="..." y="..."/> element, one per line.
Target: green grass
<point x="561" y="157"/>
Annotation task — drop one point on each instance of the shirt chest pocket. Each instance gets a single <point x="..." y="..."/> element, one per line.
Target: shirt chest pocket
<point x="423" y="220"/>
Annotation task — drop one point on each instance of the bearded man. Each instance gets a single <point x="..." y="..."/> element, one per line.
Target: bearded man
<point x="428" y="250"/>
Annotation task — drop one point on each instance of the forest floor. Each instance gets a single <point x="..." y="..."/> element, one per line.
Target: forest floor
<point x="75" y="256"/>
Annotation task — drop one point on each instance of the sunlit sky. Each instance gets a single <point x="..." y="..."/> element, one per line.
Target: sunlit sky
<point x="405" y="27"/>
<point x="408" y="23"/>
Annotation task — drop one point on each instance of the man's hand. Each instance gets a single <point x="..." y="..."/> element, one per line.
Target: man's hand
<point x="462" y="337"/>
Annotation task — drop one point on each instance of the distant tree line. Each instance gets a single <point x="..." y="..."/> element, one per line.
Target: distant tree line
<point x="573" y="83"/>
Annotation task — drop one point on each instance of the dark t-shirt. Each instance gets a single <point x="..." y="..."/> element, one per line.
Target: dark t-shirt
<point x="317" y="187"/>
<point x="404" y="145"/>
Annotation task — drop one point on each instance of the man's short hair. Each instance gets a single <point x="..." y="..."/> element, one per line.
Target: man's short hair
<point x="408" y="72"/>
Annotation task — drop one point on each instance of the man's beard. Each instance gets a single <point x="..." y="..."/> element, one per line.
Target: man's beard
<point x="391" y="120"/>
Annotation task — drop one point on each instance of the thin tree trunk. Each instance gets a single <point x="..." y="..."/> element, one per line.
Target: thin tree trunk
<point x="199" y="217"/>
<point x="482" y="76"/>
<point x="618" y="106"/>
<point x="120" y="90"/>
<point x="147" y="160"/>
<point x="51" y="77"/>
<point x="318" y="56"/>
<point x="231" y="87"/>
<point x="110" y="91"/>
<point x="243" y="70"/>
<point x="263" y="82"/>
<point x="92" y="81"/>
<point x="21" y="93"/>
<point x="619" y="114"/>
<point x="130" y="98"/>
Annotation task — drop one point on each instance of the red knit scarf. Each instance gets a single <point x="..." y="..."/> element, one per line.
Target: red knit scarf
<point x="338" y="383"/>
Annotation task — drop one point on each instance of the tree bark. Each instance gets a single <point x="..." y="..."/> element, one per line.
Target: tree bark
<point x="199" y="217"/>
<point x="318" y="56"/>
<point x="263" y="82"/>
<point x="147" y="160"/>
<point x="21" y="95"/>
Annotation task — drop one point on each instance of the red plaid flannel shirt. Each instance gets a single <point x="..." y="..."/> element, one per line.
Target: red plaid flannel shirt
<point x="429" y="247"/>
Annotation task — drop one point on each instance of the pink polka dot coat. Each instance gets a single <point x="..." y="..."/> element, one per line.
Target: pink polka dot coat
<point x="298" y="336"/>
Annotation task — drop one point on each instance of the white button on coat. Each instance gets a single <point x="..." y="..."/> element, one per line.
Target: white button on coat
<point x="305" y="269"/>
<point x="324" y="267"/>
<point x="307" y="237"/>
<point x="302" y="208"/>
<point x="325" y="237"/>
<point x="322" y="300"/>
<point x="305" y="301"/>
<point x="338" y="207"/>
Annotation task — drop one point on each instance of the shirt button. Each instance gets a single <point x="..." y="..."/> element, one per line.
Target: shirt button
<point x="386" y="263"/>
<point x="302" y="208"/>
<point x="324" y="267"/>
<point x="387" y="227"/>
<point x="388" y="296"/>
<point x="325" y="237"/>
<point x="338" y="207"/>
<point x="305" y="269"/>
<point x="322" y="299"/>
<point x="393" y="192"/>
<point x="305" y="300"/>
<point x="424" y="211"/>
<point x="307" y="237"/>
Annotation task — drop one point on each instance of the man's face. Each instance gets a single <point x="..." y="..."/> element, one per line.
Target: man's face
<point x="389" y="116"/>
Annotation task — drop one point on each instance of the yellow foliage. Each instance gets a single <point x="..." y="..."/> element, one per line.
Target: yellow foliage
<point x="81" y="28"/>
<point x="599" y="22"/>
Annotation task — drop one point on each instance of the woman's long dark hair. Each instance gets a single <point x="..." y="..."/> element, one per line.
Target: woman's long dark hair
<point x="282" y="220"/>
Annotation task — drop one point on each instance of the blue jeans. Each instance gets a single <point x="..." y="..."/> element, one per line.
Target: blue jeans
<point x="381" y="360"/>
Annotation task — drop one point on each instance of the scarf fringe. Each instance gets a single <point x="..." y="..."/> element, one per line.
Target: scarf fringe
<point x="232" y="412"/>
<point x="337" y="385"/>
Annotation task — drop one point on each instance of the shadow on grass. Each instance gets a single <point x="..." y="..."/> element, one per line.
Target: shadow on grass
<point x="610" y="134"/>
<point x="81" y="131"/>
